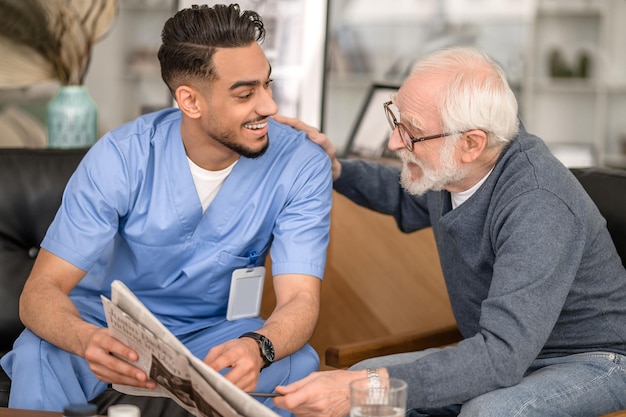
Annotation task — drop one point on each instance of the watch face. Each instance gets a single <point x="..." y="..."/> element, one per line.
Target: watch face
<point x="268" y="350"/>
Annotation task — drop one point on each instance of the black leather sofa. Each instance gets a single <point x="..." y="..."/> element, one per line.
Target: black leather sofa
<point x="607" y="188"/>
<point x="32" y="183"/>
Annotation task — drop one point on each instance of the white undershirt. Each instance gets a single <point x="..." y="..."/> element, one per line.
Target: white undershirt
<point x="208" y="183"/>
<point x="462" y="196"/>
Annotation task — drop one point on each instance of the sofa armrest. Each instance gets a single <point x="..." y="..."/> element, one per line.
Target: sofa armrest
<point x="343" y="356"/>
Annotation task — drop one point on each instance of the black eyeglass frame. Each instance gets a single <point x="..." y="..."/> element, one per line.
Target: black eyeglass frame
<point x="407" y="139"/>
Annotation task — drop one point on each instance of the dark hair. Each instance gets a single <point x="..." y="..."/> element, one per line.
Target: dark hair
<point x="191" y="36"/>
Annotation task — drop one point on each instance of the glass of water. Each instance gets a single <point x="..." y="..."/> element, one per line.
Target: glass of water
<point x="378" y="397"/>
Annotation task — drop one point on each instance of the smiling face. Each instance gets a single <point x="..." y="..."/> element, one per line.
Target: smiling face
<point x="233" y="110"/>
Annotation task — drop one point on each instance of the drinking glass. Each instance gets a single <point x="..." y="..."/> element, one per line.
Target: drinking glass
<point x="378" y="397"/>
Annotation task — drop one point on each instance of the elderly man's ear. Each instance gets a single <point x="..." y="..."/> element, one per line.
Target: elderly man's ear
<point x="472" y="145"/>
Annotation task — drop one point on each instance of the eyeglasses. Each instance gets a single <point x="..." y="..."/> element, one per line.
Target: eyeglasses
<point x="407" y="139"/>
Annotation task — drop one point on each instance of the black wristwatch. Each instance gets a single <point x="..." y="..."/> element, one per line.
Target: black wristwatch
<point x="265" y="347"/>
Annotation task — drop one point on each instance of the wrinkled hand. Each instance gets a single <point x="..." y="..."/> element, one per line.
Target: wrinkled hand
<point x="321" y="394"/>
<point x="102" y="354"/>
<point x="242" y="356"/>
<point x="318" y="137"/>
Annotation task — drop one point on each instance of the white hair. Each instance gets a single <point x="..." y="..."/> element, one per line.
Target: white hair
<point x="476" y="95"/>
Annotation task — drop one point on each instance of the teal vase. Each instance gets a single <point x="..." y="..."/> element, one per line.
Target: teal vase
<point x="72" y="118"/>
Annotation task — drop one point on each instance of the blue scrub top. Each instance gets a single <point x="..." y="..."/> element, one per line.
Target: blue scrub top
<point x="131" y="212"/>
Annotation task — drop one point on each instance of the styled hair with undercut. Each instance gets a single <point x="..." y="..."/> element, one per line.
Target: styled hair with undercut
<point x="191" y="36"/>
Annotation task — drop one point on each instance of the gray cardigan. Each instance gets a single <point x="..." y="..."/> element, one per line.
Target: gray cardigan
<point x="530" y="268"/>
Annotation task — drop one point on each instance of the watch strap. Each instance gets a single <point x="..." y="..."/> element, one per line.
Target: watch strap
<point x="261" y="340"/>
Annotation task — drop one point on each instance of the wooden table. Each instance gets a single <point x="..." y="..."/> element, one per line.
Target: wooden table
<point x="14" y="412"/>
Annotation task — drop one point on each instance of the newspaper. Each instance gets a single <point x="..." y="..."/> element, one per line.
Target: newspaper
<point x="180" y="375"/>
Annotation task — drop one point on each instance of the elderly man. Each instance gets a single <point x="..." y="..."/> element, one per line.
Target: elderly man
<point x="536" y="285"/>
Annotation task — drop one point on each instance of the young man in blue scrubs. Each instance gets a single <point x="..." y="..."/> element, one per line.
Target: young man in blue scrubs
<point x="173" y="204"/>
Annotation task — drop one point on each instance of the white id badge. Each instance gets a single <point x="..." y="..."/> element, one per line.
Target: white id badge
<point x="246" y="290"/>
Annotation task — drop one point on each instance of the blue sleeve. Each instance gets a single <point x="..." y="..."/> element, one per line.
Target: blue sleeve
<point x="95" y="198"/>
<point x="301" y="232"/>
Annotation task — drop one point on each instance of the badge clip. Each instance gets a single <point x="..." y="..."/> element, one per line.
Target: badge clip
<point x="252" y="258"/>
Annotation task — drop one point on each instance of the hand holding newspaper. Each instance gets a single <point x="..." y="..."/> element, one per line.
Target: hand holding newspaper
<point x="180" y="375"/>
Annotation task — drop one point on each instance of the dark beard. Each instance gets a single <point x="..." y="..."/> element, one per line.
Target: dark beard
<point x="245" y="152"/>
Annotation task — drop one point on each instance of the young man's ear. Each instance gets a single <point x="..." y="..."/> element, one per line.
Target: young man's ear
<point x="473" y="143"/>
<point x="187" y="99"/>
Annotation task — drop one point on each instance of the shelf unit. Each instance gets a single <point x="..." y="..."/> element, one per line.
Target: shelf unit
<point x="575" y="116"/>
<point x="575" y="113"/>
<point x="370" y="43"/>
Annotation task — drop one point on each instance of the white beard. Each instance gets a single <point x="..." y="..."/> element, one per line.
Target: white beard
<point x="431" y="180"/>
